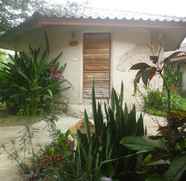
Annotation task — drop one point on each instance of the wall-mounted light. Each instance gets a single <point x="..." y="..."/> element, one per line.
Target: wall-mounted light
<point x="73" y="42"/>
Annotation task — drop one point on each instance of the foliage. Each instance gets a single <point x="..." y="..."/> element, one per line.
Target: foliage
<point x="90" y="155"/>
<point x="156" y="112"/>
<point x="30" y="82"/>
<point x="163" y="155"/>
<point x="13" y="12"/>
<point x="101" y="153"/>
<point x="173" y="77"/>
<point x="146" y="73"/>
<point x="158" y="161"/>
<point x="153" y="99"/>
<point x="2" y="55"/>
<point x="156" y="102"/>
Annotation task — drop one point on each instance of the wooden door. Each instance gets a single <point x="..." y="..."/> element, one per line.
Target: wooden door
<point x="96" y="64"/>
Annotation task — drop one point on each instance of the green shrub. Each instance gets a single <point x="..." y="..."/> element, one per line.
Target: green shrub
<point x="153" y="99"/>
<point x="30" y="82"/>
<point x="155" y="102"/>
<point x="96" y="154"/>
<point x="173" y="77"/>
<point x="178" y="102"/>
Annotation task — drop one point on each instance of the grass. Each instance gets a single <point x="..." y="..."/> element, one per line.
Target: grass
<point x="156" y="103"/>
<point x="13" y="120"/>
<point x="7" y="119"/>
<point x="156" y="112"/>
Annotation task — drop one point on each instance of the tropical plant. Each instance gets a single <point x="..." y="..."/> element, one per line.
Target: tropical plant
<point x="163" y="155"/>
<point x="145" y="73"/>
<point x="30" y="82"/>
<point x="159" y="163"/>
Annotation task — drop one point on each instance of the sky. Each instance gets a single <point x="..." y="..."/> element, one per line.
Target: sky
<point x="163" y="7"/>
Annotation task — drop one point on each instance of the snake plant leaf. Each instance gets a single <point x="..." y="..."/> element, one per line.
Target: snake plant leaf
<point x="138" y="143"/>
<point x="86" y="123"/>
<point x="140" y="131"/>
<point x="121" y="96"/>
<point x="176" y="169"/>
<point x="155" y="178"/>
<point x="55" y="60"/>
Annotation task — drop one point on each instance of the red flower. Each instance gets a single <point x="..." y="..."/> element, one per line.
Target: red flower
<point x="55" y="73"/>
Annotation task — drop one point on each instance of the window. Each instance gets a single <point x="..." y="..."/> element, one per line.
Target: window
<point x="96" y="64"/>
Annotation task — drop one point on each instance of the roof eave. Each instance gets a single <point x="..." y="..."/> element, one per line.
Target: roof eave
<point x="42" y="22"/>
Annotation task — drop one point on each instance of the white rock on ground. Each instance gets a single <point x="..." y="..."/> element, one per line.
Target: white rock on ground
<point x="8" y="170"/>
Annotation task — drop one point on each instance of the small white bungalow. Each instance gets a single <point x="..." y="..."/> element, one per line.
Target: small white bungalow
<point x="99" y="44"/>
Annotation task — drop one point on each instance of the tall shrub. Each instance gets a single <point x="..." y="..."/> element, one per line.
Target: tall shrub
<point x="30" y="82"/>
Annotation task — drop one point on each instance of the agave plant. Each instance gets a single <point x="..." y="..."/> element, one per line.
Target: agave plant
<point x="29" y="82"/>
<point x="100" y="153"/>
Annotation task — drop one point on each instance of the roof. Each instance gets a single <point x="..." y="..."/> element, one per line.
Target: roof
<point x="180" y="58"/>
<point x="95" y="13"/>
<point x="88" y="13"/>
<point x="100" y="17"/>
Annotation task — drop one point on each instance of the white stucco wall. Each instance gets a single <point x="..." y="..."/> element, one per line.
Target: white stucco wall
<point x="128" y="46"/>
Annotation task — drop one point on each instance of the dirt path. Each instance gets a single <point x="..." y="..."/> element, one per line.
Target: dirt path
<point x="8" y="170"/>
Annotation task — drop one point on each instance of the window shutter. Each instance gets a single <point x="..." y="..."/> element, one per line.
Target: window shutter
<point x="96" y="64"/>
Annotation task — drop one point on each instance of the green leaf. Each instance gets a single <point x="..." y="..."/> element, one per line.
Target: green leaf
<point x="155" y="178"/>
<point x="141" y="143"/>
<point x="121" y="95"/>
<point x="86" y="123"/>
<point x="158" y="163"/>
<point x="148" y="74"/>
<point x="176" y="169"/>
<point x="140" y="131"/>
<point x="50" y="92"/>
<point x="141" y="66"/>
<point x="137" y="79"/>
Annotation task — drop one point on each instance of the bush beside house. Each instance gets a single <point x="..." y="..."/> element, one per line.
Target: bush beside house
<point x="31" y="82"/>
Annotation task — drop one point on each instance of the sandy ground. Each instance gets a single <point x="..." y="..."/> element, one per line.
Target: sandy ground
<point x="8" y="170"/>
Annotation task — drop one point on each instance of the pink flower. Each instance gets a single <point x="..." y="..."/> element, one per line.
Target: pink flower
<point x="55" y="73"/>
